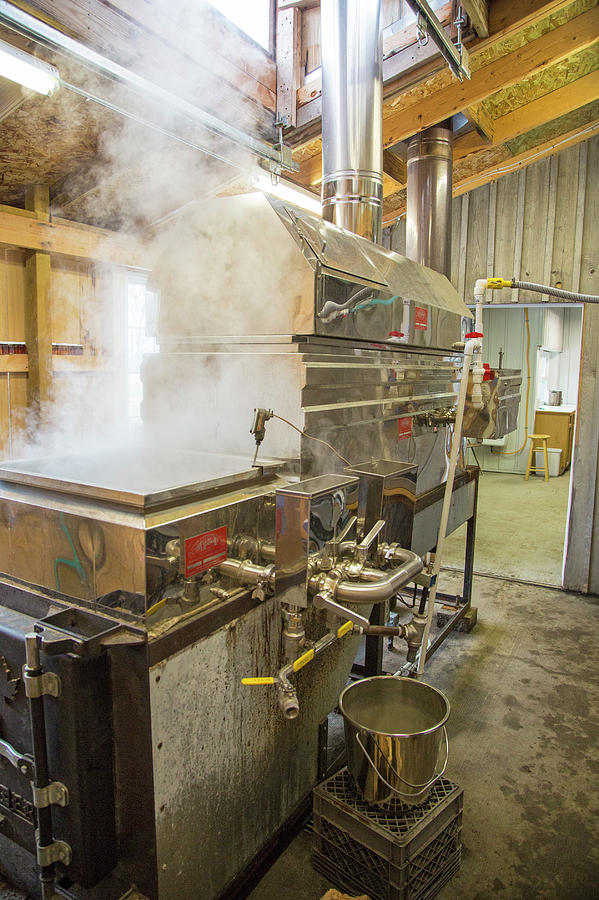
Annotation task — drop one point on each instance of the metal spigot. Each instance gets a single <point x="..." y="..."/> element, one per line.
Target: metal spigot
<point x="331" y="550"/>
<point x="364" y="546"/>
<point x="258" y="429"/>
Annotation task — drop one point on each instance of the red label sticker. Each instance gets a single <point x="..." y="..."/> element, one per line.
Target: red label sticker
<point x="404" y="427"/>
<point x="420" y="318"/>
<point x="205" y="550"/>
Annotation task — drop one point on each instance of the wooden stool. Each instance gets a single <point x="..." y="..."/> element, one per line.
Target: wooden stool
<point x="545" y="468"/>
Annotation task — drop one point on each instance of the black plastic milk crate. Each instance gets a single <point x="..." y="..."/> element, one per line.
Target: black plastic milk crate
<point x="390" y="852"/>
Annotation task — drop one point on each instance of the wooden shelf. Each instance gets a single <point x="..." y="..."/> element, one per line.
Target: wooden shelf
<point x="19" y="362"/>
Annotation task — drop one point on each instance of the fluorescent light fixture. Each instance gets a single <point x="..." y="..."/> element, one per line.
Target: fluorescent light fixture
<point x="32" y="73"/>
<point x="286" y="191"/>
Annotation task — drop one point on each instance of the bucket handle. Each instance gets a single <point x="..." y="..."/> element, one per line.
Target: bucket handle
<point x="424" y="787"/>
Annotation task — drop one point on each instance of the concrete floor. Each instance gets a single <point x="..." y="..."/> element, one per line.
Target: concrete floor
<point x="520" y="529"/>
<point x="524" y="744"/>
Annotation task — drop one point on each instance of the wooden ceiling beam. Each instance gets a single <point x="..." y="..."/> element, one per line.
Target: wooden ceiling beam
<point x="561" y="42"/>
<point x="532" y="115"/>
<point x="69" y="239"/>
<point x="413" y="64"/>
<point x="550" y="48"/>
<point x="395" y="167"/>
<point x="506" y="17"/>
<point x="550" y="106"/>
<point x="478" y="13"/>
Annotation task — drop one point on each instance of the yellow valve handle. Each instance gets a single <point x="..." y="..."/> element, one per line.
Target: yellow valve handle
<point x="345" y="629"/>
<point x="266" y="679"/>
<point x="302" y="661"/>
<point x="497" y="283"/>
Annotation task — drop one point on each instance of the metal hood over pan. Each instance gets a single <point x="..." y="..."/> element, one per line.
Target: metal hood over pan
<point x="249" y="265"/>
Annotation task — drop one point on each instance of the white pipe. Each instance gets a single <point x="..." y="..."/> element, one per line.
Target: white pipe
<point x="478" y="370"/>
<point x="473" y="345"/>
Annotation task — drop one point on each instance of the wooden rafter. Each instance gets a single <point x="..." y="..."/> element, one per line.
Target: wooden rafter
<point x="572" y="96"/>
<point x="32" y="232"/>
<point x="478" y="13"/>
<point x="394" y="167"/>
<point x="550" y="48"/>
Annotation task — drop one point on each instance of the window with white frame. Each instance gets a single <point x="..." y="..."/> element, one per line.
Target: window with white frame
<point x="141" y="316"/>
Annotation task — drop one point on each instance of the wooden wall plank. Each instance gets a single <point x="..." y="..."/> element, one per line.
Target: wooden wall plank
<point x="463" y="246"/>
<point x="533" y="212"/>
<point x="589" y="271"/>
<point x="519" y="234"/>
<point x="562" y="265"/>
<point x="14" y="269"/>
<point x="288" y="64"/>
<point x="476" y="248"/>
<point x="550" y="232"/>
<point x="580" y="205"/>
<point x="37" y="309"/>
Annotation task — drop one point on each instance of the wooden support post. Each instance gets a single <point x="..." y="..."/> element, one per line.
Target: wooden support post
<point x="37" y="312"/>
<point x="288" y="63"/>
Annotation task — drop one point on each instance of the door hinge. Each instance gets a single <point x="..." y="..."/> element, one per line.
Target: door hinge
<point x="46" y="684"/>
<point x="57" y="851"/>
<point x="54" y="794"/>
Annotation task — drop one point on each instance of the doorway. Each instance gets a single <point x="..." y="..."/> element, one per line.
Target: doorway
<point x="521" y="524"/>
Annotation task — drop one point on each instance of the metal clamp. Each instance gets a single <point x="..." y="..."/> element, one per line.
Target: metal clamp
<point x="47" y="684"/>
<point x="54" y="794"/>
<point x="57" y="851"/>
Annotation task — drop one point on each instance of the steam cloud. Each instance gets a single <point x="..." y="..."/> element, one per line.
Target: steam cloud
<point x="142" y="181"/>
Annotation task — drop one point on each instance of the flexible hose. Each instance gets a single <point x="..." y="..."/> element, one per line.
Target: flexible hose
<point x="312" y="438"/>
<point x="331" y="307"/>
<point x="555" y="292"/>
<point x="520" y="449"/>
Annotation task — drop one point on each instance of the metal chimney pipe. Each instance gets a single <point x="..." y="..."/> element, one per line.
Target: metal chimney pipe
<point x="352" y="115"/>
<point x="428" y="216"/>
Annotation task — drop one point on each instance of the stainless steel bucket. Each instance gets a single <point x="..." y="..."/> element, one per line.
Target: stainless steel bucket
<point x="393" y="733"/>
<point x="554" y="398"/>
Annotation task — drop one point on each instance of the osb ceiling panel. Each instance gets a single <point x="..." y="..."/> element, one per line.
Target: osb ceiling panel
<point x="550" y="79"/>
<point x="576" y="119"/>
<point x="483" y="58"/>
<point x="44" y="139"/>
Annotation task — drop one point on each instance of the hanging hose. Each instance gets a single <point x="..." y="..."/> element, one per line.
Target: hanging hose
<point x="554" y="292"/>
<point x="331" y="308"/>
<point x="312" y="438"/>
<point x="520" y="449"/>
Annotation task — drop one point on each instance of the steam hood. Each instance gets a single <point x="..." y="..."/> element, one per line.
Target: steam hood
<point x="252" y="265"/>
